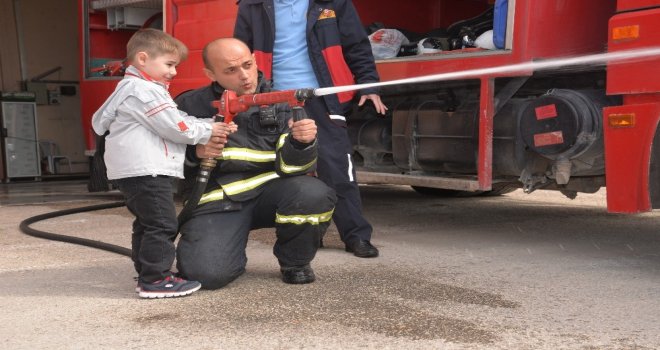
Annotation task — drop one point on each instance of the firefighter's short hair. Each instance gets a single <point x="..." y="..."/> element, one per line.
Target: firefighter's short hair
<point x="155" y="43"/>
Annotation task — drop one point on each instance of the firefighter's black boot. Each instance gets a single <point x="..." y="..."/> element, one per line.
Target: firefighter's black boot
<point x="297" y="274"/>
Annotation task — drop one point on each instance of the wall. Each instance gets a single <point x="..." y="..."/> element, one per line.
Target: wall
<point x="47" y="32"/>
<point x="10" y="73"/>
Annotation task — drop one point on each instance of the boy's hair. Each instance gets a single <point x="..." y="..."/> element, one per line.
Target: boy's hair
<point x="155" y="43"/>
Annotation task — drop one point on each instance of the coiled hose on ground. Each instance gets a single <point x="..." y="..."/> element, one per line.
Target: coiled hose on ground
<point x="25" y="227"/>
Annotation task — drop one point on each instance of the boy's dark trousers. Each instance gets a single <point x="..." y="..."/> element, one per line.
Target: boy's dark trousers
<point x="151" y="200"/>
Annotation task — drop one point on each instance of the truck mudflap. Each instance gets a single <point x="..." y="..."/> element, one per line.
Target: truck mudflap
<point x="630" y="143"/>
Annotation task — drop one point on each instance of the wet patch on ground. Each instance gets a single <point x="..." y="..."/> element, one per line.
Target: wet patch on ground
<point x="372" y="300"/>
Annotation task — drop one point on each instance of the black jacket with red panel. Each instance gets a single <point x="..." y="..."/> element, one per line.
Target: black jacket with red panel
<point x="338" y="45"/>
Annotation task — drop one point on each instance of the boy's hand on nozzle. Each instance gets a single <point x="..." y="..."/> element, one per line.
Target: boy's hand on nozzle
<point x="233" y="127"/>
<point x="303" y="131"/>
<point x="216" y="144"/>
<point x="223" y="129"/>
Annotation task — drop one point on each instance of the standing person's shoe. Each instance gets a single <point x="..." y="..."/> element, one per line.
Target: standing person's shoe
<point x="168" y="287"/>
<point x="362" y="249"/>
<point x="297" y="274"/>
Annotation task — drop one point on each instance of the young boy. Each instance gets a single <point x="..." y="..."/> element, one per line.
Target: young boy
<point x="145" y="148"/>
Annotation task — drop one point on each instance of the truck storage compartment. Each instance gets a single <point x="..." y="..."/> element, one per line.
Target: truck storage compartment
<point x="431" y="27"/>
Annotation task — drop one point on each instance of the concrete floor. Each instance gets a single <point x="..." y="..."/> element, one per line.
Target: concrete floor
<point x="513" y="272"/>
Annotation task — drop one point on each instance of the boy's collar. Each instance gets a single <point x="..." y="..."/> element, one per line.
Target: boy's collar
<point x="134" y="71"/>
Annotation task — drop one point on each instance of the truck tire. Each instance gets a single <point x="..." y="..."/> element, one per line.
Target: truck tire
<point x="498" y="190"/>
<point x="442" y="192"/>
<point x="654" y="171"/>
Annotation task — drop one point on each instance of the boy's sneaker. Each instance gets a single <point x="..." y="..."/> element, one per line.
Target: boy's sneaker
<point x="168" y="288"/>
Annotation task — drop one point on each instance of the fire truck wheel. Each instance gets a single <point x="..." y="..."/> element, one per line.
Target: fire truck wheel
<point x="441" y="192"/>
<point x="498" y="190"/>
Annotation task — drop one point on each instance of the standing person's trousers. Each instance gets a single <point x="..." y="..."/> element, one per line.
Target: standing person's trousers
<point x="335" y="168"/>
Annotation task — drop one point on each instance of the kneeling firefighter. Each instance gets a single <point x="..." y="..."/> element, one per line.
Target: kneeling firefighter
<point x="259" y="181"/>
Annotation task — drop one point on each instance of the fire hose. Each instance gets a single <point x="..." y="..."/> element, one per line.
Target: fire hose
<point x="25" y="227"/>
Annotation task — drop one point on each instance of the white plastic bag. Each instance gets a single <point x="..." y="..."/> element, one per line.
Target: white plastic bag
<point x="385" y="43"/>
<point x="485" y="41"/>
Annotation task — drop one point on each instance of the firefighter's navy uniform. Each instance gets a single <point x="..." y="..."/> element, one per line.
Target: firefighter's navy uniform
<point x="259" y="182"/>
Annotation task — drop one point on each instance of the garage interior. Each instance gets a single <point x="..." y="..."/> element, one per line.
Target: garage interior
<point x="39" y="75"/>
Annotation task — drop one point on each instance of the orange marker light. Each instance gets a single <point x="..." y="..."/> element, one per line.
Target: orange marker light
<point x="621" y="120"/>
<point x="625" y="33"/>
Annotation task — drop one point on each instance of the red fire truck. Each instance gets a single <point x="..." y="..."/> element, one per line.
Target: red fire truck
<point x="572" y="130"/>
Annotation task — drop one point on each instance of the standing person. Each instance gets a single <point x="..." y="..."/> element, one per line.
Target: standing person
<point x="144" y="149"/>
<point x="311" y="44"/>
<point x="259" y="181"/>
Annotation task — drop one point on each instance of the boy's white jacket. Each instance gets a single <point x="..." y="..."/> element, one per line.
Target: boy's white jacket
<point x="148" y="134"/>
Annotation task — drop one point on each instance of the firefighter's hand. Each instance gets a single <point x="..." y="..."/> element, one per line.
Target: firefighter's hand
<point x="303" y="131"/>
<point x="212" y="149"/>
<point x="378" y="104"/>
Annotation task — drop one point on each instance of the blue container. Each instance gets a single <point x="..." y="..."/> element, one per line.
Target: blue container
<point x="499" y="23"/>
